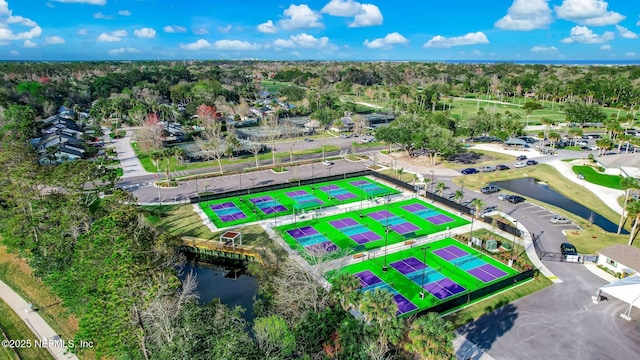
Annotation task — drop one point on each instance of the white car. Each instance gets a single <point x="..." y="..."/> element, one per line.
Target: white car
<point x="593" y="147"/>
<point x="327" y="163"/>
<point x="520" y="164"/>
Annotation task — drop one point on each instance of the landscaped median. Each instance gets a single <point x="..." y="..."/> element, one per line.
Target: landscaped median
<point x="595" y="177"/>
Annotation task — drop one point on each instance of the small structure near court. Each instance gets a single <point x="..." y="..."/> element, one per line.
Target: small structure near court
<point x="621" y="259"/>
<point x="229" y="238"/>
<point x="627" y="290"/>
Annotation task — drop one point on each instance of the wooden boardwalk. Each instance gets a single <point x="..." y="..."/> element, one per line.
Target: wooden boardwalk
<point x="214" y="247"/>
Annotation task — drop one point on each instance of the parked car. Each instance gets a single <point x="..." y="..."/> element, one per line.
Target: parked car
<point x="593" y="147"/>
<point x="582" y="143"/>
<point x="503" y="196"/>
<point x="308" y="139"/>
<point x="520" y="164"/>
<point x="580" y="176"/>
<point x="488" y="210"/>
<point x="327" y="163"/>
<point x="568" y="249"/>
<point x="531" y="162"/>
<point x="487" y="169"/>
<point x="469" y="171"/>
<point x="502" y="167"/>
<point x="557" y="219"/>
<point x="489" y="189"/>
<point x="515" y="199"/>
<point x="521" y="157"/>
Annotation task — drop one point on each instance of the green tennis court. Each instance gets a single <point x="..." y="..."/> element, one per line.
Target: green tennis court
<point x="370" y="229"/>
<point x="263" y="205"/>
<point x="443" y="270"/>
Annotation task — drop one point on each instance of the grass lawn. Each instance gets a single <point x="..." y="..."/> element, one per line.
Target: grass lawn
<point x="595" y="177"/>
<point x="254" y="207"/>
<point x="406" y="278"/>
<point x="174" y="165"/>
<point x="405" y="176"/>
<point x="274" y="86"/>
<point x="16" y="329"/>
<point x="183" y="221"/>
<point x="591" y="239"/>
<point x="15" y="272"/>
<point x="554" y="179"/>
<point x="366" y="232"/>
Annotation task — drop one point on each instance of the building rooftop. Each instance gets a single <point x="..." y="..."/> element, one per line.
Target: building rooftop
<point x="619" y="160"/>
<point x="628" y="256"/>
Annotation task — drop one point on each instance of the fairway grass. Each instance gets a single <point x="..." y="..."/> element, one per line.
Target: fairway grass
<point x="247" y="211"/>
<point x="342" y="241"/>
<point x="410" y="289"/>
<point x="595" y="177"/>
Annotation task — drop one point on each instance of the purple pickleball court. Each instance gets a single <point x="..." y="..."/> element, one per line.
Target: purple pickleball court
<point x="273" y="209"/>
<point x="343" y="223"/>
<point x="494" y="271"/>
<point x="345" y="196"/>
<point x="402" y="267"/>
<point x="415" y="263"/>
<point x="225" y="205"/>
<point x="412" y="208"/>
<point x="302" y="232"/>
<point x="368" y="278"/>
<point x="359" y="182"/>
<point x="443" y="253"/>
<point x="329" y="188"/>
<point x="260" y="199"/>
<point x="404" y="305"/>
<point x="321" y="248"/>
<point x="365" y="237"/>
<point x="456" y="251"/>
<point x="435" y="220"/>
<point x="404" y="228"/>
<point x="484" y="276"/>
<point x="444" y="218"/>
<point x="381" y="215"/>
<point x="451" y="286"/>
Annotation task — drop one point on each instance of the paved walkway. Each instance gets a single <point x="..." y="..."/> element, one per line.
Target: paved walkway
<point x="130" y="163"/>
<point x="35" y="322"/>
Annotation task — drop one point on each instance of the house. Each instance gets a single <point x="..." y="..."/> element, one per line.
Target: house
<point x="61" y="139"/>
<point x="622" y="259"/>
<point x="627" y="165"/>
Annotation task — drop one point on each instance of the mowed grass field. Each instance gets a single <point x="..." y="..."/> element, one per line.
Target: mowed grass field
<point x="315" y="198"/>
<point x="411" y="289"/>
<point x="341" y="239"/>
<point x="594" y="177"/>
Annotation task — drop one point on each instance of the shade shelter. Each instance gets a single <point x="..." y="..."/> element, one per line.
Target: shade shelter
<point x="626" y="289"/>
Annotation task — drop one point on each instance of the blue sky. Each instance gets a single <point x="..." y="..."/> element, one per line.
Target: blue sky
<point x="421" y="30"/>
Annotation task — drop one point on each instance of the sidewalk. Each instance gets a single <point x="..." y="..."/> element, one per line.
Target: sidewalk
<point x="41" y="330"/>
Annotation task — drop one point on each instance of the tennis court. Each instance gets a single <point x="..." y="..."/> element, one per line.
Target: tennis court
<point x="431" y="215"/>
<point x="384" y="224"/>
<point x="314" y="242"/>
<point x="279" y="202"/>
<point x="425" y="269"/>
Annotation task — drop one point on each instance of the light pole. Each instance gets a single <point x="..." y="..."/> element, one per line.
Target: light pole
<point x="312" y="175"/>
<point x="462" y="193"/>
<point x="386" y="238"/>
<point x="424" y="260"/>
<point x="361" y="199"/>
<point x="471" y="231"/>
<point x="513" y="243"/>
<point x="433" y="184"/>
<point x="253" y="184"/>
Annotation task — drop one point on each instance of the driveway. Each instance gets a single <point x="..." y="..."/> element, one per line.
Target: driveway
<point x="130" y="163"/>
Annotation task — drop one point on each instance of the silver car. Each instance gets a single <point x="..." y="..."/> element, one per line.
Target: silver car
<point x="557" y="219"/>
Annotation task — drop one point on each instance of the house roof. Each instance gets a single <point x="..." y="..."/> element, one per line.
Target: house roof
<point x="619" y="160"/>
<point x="516" y="142"/>
<point x="628" y="256"/>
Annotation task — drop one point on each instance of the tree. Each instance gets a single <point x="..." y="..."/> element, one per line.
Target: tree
<point x="553" y="138"/>
<point x="19" y="121"/>
<point x="274" y="338"/>
<point x="378" y="306"/>
<point x="575" y="133"/>
<point x="431" y="337"/>
<point x="478" y="204"/>
<point x="440" y="188"/>
<point x="604" y="145"/>
<point x="458" y="196"/>
<point x="627" y="183"/>
<point x="344" y="290"/>
<point x="211" y="134"/>
<point x="149" y="135"/>
<point x="633" y="210"/>
<point x="578" y="112"/>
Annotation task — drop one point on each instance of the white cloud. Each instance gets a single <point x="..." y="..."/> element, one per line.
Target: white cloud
<point x="174" y="29"/>
<point x="14" y="52"/>
<point x="630" y="54"/>
<point x="113" y="36"/>
<point x="198" y="45"/>
<point x="123" y="50"/>
<point x="524" y="15"/>
<point x="100" y="15"/>
<point x="7" y="20"/>
<point x="268" y="28"/>
<point x="225" y="29"/>
<point x="301" y="41"/>
<point x="234" y="45"/>
<point x="300" y="17"/>
<point x="83" y="32"/>
<point x="145" y="33"/>
<point x="386" y="42"/>
<point x="626" y="33"/>
<point x="584" y="35"/>
<point x="588" y="12"/>
<point x="124" y="13"/>
<point x="605" y="47"/>
<point x="371" y="17"/>
<point x="54" y="40"/>
<point x="30" y="44"/>
<point x="364" y="14"/>
<point x="468" y="39"/>
<point x="544" y="49"/>
<point x="90" y="2"/>
<point x="200" y="31"/>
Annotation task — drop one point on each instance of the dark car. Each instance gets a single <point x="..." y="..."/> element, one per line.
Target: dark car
<point x="502" y="167"/>
<point x="308" y="139"/>
<point x="515" y="199"/>
<point x="521" y="157"/>
<point x="568" y="249"/>
<point x="469" y="171"/>
<point x="531" y="162"/>
<point x="489" y="189"/>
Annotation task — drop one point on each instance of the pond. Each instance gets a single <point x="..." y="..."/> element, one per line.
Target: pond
<point x="530" y="187"/>
<point x="232" y="286"/>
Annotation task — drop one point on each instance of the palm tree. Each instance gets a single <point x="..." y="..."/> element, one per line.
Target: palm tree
<point x="426" y="181"/>
<point x="478" y="204"/>
<point x="431" y="337"/>
<point x="553" y="137"/>
<point x="458" y="196"/>
<point x="155" y="157"/>
<point x="440" y="188"/>
<point x="574" y="134"/>
<point x="633" y="209"/>
<point x="344" y="290"/>
<point x="378" y="306"/>
<point x="179" y="153"/>
<point x="167" y="154"/>
<point x="626" y="183"/>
